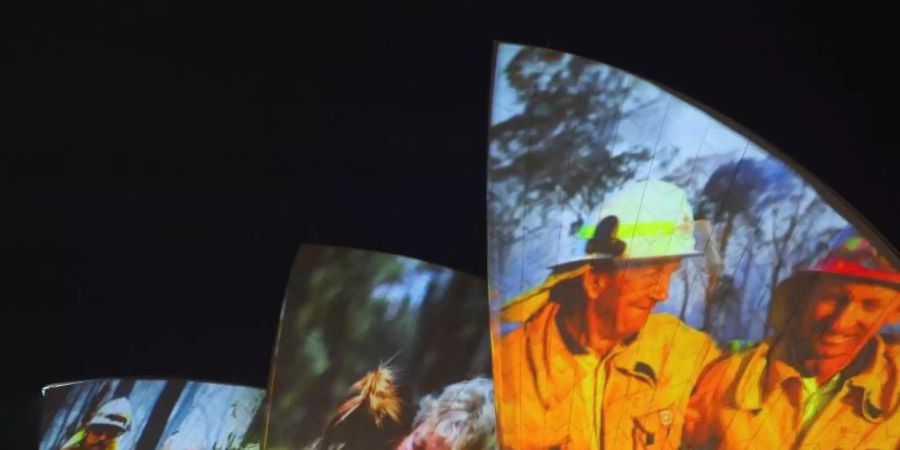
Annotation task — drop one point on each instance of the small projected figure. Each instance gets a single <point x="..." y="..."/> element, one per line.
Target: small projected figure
<point x="142" y="414"/>
<point x="103" y="429"/>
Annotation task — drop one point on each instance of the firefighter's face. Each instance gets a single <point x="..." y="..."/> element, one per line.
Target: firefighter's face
<point x="100" y="437"/>
<point x="625" y="296"/>
<point x="842" y="316"/>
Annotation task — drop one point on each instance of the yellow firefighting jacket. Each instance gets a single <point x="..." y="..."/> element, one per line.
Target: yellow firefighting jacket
<point x="754" y="401"/>
<point x="646" y="385"/>
<point x="76" y="442"/>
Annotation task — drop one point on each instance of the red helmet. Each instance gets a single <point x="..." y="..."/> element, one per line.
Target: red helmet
<point x="854" y="256"/>
<point x="851" y="256"/>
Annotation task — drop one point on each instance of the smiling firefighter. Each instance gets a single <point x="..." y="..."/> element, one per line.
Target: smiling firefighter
<point x="592" y="367"/>
<point x="827" y="378"/>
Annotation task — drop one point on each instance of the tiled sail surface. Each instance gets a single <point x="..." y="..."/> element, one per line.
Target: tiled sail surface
<point x="568" y="136"/>
<point x="158" y="414"/>
<point x="379" y="351"/>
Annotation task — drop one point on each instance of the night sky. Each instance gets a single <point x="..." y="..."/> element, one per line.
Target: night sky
<point x="161" y="163"/>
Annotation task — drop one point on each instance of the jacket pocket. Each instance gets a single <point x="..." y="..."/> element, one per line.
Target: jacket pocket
<point x="651" y="430"/>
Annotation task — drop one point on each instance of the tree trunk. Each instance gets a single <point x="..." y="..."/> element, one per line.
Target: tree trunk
<point x="123" y="389"/>
<point x="748" y="266"/>
<point x="776" y="269"/>
<point x="781" y="254"/>
<point x="708" y="305"/>
<point x="687" y="292"/>
<point x="726" y="234"/>
<point x="156" y="422"/>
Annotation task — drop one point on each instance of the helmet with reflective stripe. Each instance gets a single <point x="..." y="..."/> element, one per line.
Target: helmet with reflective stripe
<point x="646" y="220"/>
<point x="115" y="413"/>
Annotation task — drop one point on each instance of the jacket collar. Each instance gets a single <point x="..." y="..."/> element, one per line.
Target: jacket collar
<point x="765" y="370"/>
<point x="552" y="355"/>
<point x="878" y="383"/>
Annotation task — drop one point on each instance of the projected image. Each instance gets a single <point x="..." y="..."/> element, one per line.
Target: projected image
<point x="377" y="351"/>
<point x="658" y="280"/>
<point x="126" y="414"/>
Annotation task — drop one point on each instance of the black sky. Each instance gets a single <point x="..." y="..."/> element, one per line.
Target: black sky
<point x="162" y="162"/>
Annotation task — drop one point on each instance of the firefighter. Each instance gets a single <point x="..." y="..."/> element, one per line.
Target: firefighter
<point x="826" y="378"/>
<point x="592" y="367"/>
<point x="103" y="429"/>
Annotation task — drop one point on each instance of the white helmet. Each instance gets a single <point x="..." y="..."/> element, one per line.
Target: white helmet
<point x="646" y="220"/>
<point x="653" y="219"/>
<point x="116" y="413"/>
